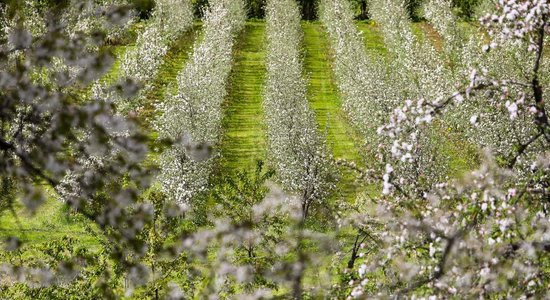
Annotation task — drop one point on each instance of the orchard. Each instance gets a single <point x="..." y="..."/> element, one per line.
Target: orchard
<point x="274" y="149"/>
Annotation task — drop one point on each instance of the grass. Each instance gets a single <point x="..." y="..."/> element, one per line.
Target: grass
<point x="244" y="138"/>
<point x="325" y="100"/>
<point x="113" y="74"/>
<point x="372" y="36"/>
<point x="174" y="62"/>
<point x="52" y="221"/>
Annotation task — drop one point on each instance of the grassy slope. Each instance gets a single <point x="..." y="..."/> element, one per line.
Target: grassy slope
<point x="324" y="99"/>
<point x="244" y="139"/>
<point x="52" y="220"/>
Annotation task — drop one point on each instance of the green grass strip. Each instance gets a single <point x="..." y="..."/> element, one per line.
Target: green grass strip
<point x="244" y="139"/>
<point x="324" y="99"/>
<point x="52" y="221"/>
<point x="174" y="62"/>
<point x="372" y="36"/>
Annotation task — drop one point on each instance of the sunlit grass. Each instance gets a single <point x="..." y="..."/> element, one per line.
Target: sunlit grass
<point x="372" y="36"/>
<point x="324" y="99"/>
<point x="52" y="221"/>
<point x="244" y="139"/>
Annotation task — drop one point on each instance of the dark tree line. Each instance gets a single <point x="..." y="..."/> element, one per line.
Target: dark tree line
<point x="256" y="8"/>
<point x="464" y="8"/>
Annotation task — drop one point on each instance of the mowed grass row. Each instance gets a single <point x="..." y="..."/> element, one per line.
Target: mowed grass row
<point x="244" y="138"/>
<point x="118" y="53"/>
<point x="372" y="36"/>
<point x="53" y="220"/>
<point x="325" y="100"/>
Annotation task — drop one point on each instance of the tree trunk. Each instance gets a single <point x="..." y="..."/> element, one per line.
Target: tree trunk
<point x="308" y="9"/>
<point x="356" y="245"/>
<point x="364" y="10"/>
<point x="352" y="259"/>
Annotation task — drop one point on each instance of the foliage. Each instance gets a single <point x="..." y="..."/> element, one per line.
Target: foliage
<point x="465" y="8"/>
<point x="81" y="272"/>
<point x="199" y="6"/>
<point x="8" y="194"/>
<point x="308" y="7"/>
<point x="413" y="7"/>
<point x="238" y="199"/>
<point x="457" y="228"/>
<point x="360" y="75"/>
<point x="470" y="228"/>
<point x="362" y="6"/>
<point x="256" y="8"/>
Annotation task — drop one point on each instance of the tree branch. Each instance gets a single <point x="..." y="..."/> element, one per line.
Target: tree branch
<point x="27" y="163"/>
<point x="521" y="150"/>
<point x="541" y="119"/>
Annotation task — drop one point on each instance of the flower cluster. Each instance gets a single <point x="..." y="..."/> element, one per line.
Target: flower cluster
<point x="518" y="20"/>
<point x="30" y="18"/>
<point x="82" y="16"/>
<point x="49" y="136"/>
